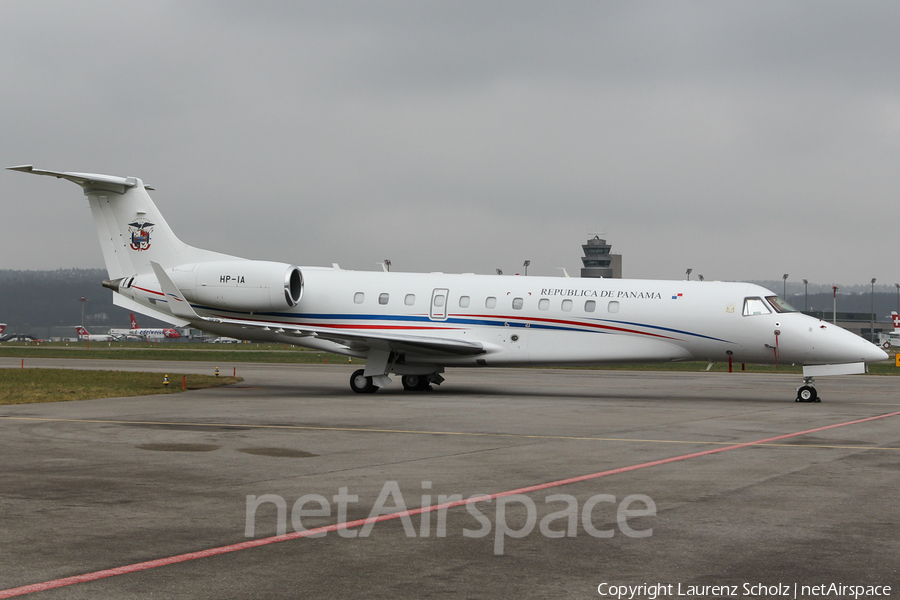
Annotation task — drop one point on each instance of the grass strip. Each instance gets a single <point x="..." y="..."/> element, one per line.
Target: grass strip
<point x="168" y="353"/>
<point x="25" y="386"/>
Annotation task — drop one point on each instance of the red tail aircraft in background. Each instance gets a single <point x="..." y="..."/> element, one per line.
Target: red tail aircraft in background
<point x="83" y="335"/>
<point x="146" y="332"/>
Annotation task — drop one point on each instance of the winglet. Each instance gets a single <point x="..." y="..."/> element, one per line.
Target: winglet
<point x="179" y="306"/>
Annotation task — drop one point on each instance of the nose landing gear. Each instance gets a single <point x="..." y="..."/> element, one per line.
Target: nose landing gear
<point x="807" y="392"/>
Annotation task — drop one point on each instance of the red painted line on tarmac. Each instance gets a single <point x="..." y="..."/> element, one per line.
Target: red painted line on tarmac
<point x="161" y="562"/>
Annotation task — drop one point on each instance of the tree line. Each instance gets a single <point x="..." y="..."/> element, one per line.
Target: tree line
<point x="33" y="301"/>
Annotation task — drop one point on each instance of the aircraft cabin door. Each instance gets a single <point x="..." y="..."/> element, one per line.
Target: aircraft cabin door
<point x="439" y="300"/>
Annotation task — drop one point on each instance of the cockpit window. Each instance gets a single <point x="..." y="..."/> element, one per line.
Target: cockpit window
<point x="780" y="305"/>
<point x="755" y="306"/>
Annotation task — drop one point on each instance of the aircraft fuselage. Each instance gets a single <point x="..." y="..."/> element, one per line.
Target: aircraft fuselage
<point x="542" y="320"/>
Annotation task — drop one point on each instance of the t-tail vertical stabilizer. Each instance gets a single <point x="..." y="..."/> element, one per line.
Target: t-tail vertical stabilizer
<point x="131" y="229"/>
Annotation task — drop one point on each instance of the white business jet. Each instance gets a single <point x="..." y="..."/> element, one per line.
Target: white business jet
<point x="415" y="325"/>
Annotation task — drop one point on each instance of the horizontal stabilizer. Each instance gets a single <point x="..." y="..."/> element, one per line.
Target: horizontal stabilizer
<point x="130" y="305"/>
<point x="82" y="179"/>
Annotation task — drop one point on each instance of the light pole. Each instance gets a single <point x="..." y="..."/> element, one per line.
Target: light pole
<point x="834" y="308"/>
<point x="688" y="273"/>
<point x="784" y="287"/>
<point x="387" y="263"/>
<point x="82" y="300"/>
<point x="872" y="330"/>
<point x="806" y="295"/>
<point x="897" y="285"/>
<point x="525" y="264"/>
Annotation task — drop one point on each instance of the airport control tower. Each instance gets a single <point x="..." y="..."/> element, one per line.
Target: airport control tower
<point x="598" y="262"/>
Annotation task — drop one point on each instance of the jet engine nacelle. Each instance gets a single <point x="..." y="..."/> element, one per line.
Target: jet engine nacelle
<point x="241" y="285"/>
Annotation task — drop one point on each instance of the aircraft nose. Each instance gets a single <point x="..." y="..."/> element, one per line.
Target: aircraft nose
<point x="869" y="352"/>
<point x="854" y="348"/>
<point x="875" y="354"/>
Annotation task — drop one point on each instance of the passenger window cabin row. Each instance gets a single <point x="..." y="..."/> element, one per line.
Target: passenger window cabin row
<point x="566" y="305"/>
<point x="752" y="306"/>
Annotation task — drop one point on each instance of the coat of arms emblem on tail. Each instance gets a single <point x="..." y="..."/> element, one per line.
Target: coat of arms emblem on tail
<point x="140" y="230"/>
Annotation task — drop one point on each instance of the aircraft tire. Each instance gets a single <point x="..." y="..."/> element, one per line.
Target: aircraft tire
<point x="361" y="384"/>
<point x="807" y="393"/>
<point x="415" y="383"/>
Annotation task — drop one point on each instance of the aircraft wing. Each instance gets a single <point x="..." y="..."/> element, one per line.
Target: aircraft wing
<point x="362" y="340"/>
<point x="131" y="305"/>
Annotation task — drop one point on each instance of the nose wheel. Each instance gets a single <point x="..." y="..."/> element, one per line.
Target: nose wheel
<point x="807" y="392"/>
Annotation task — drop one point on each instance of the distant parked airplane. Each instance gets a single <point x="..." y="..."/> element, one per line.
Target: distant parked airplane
<point x="415" y="325"/>
<point x="893" y="336"/>
<point x="100" y="337"/>
<point x="145" y="332"/>
<point x="15" y="337"/>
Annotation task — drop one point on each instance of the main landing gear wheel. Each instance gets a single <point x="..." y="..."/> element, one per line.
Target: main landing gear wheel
<point x="361" y="384"/>
<point x="415" y="383"/>
<point x="807" y="393"/>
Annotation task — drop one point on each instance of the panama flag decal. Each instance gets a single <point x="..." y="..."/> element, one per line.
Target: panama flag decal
<point x="677" y="296"/>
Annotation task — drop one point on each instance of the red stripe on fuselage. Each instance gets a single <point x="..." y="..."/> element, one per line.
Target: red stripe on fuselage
<point x="460" y="316"/>
<point x="570" y="323"/>
<point x="146" y="290"/>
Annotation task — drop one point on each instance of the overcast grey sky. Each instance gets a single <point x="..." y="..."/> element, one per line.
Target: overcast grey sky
<point x="743" y="140"/>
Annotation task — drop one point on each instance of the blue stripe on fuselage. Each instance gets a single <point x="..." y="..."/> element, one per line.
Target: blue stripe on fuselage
<point x="699" y="335"/>
<point x="498" y="322"/>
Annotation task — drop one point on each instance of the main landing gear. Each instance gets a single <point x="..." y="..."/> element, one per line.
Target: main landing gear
<point x="416" y="383"/>
<point x="361" y="384"/>
<point x="807" y="392"/>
